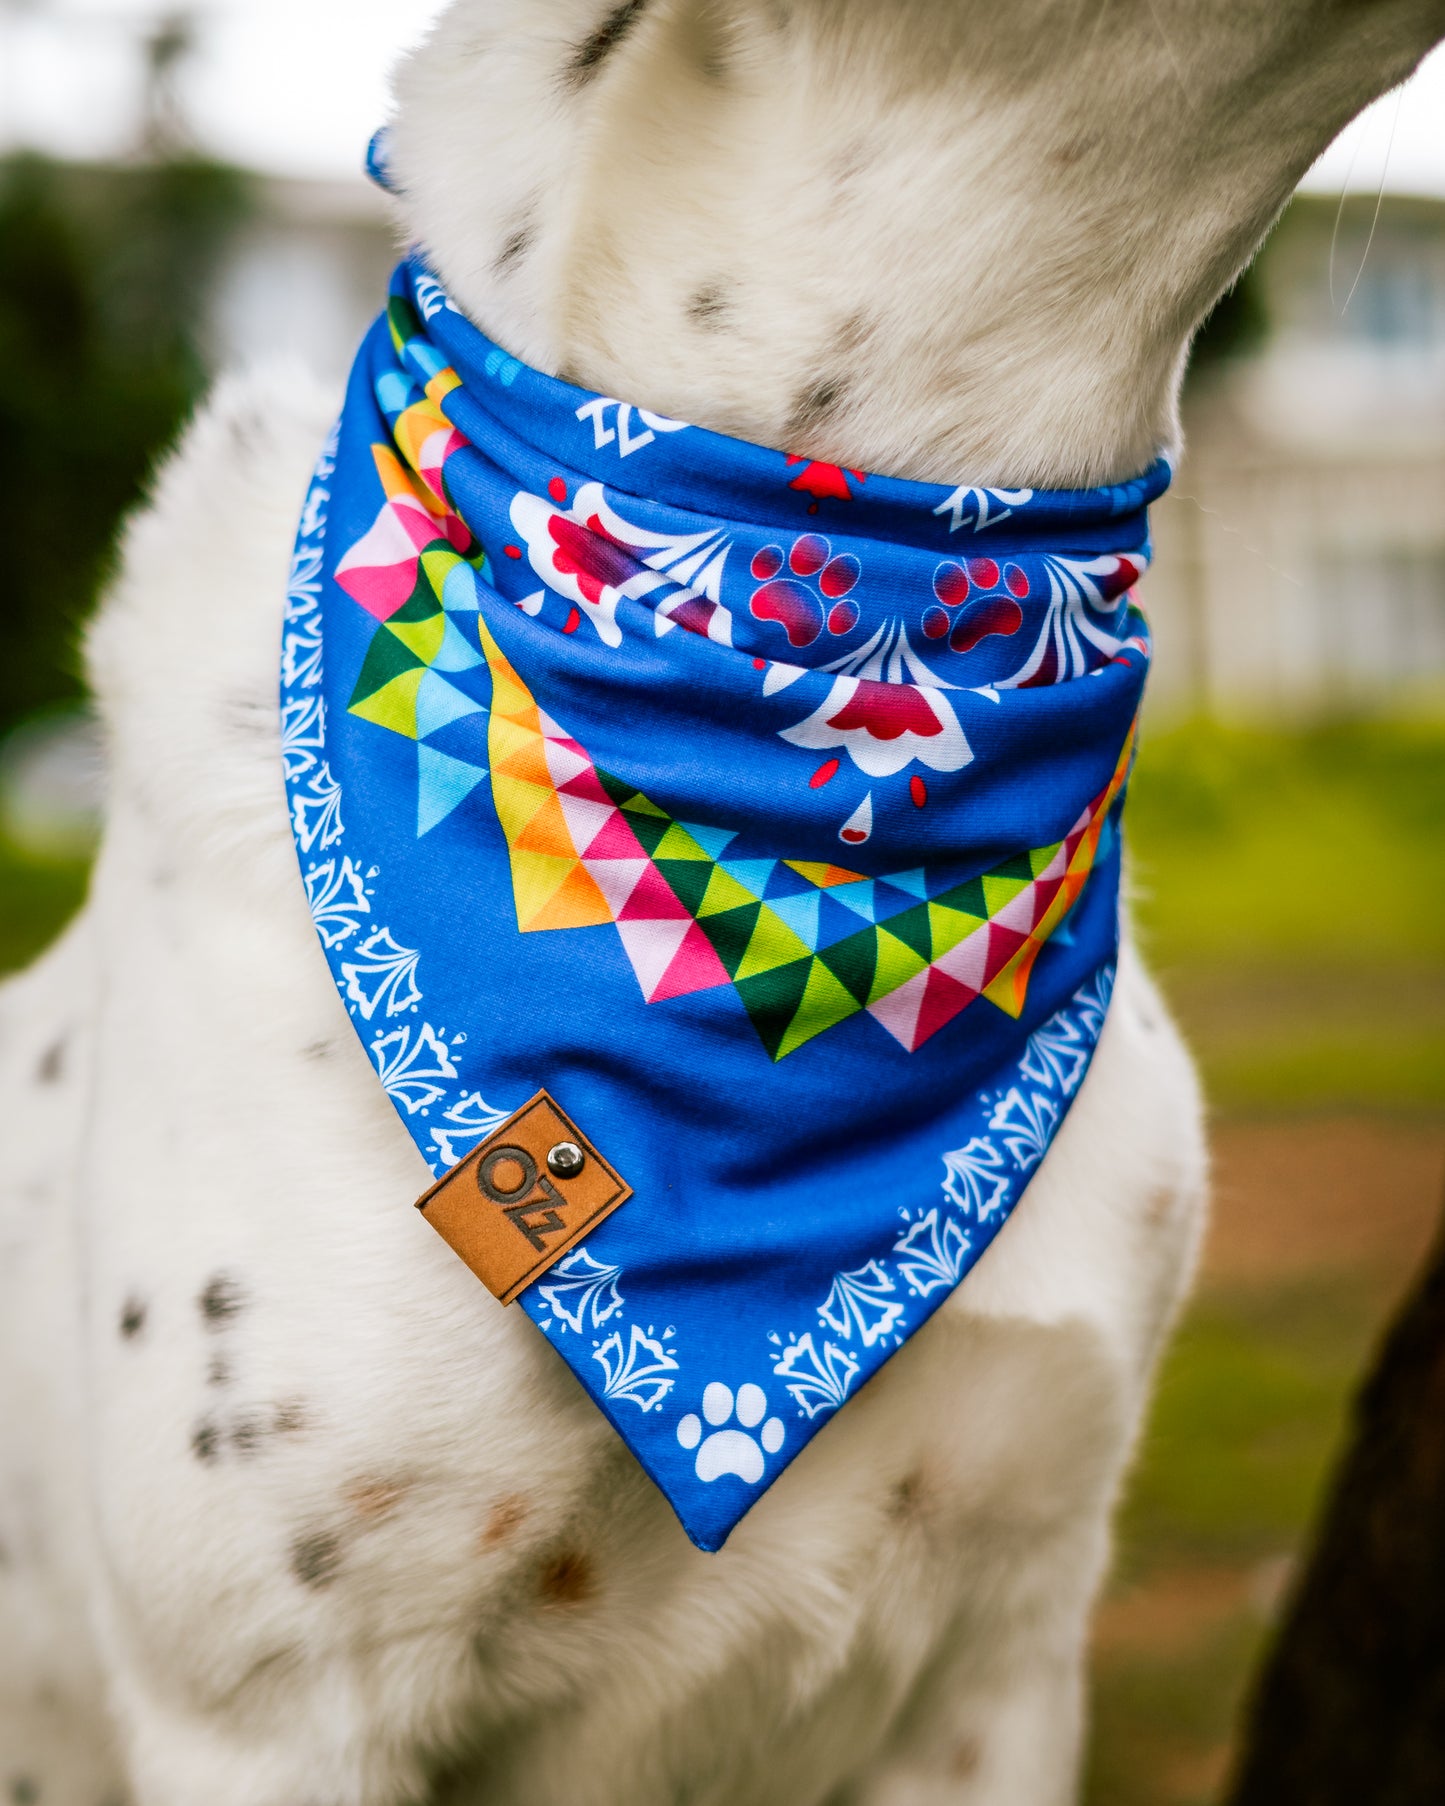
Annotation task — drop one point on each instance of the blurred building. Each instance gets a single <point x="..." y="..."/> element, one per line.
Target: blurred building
<point x="304" y="276"/>
<point x="1301" y="557"/>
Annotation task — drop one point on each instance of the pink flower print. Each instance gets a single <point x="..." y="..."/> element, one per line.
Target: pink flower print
<point x="953" y="583"/>
<point x="885" y="727"/>
<point x="814" y="596"/>
<point x="591" y="555"/>
<point x="380" y="571"/>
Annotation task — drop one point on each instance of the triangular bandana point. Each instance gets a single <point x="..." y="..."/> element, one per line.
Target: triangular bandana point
<point x="786" y="1056"/>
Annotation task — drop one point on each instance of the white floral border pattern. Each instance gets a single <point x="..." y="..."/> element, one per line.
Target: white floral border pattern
<point x="868" y="1308"/>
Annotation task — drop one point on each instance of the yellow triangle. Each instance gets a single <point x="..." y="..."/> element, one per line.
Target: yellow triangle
<point x="525" y="760"/>
<point x="393" y="705"/>
<point x="516" y="804"/>
<point x="998" y="893"/>
<point x="576" y="903"/>
<point x="547" y="832"/>
<point x="825" y="1001"/>
<point x="723" y="892"/>
<point x="948" y="927"/>
<point x="677" y="843"/>
<point x="773" y="944"/>
<point x="897" y="963"/>
<point x="1010" y="989"/>
<point x="424" y="638"/>
<point x="439" y="563"/>
<point x="822" y="874"/>
<point x="536" y="880"/>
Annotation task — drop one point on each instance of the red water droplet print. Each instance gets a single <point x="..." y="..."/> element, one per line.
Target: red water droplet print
<point x="823" y="775"/>
<point x="918" y="790"/>
<point x="557" y="489"/>
<point x="574" y="621"/>
<point x="512" y="551"/>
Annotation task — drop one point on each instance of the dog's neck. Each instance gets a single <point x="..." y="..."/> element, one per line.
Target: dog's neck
<point x="928" y="237"/>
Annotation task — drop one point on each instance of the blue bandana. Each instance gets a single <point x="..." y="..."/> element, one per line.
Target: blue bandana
<point x="763" y="812"/>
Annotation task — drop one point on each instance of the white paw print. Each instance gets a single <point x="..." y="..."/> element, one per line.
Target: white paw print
<point x="732" y="1451"/>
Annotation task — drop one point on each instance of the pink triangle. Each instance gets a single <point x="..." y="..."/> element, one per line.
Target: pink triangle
<point x="942" y="1001"/>
<point x="586" y="784"/>
<point x="1048" y="889"/>
<point x="565" y="760"/>
<point x="614" y="840"/>
<point x="898" y="1011"/>
<point x="1018" y="912"/>
<point x="616" y="879"/>
<point x="585" y="820"/>
<point x="652" y="900"/>
<point x="1003" y="944"/>
<point x="695" y="968"/>
<point x="967" y="963"/>
<point x="652" y="947"/>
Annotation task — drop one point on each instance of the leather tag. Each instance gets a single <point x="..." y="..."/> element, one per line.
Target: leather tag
<point x="524" y="1198"/>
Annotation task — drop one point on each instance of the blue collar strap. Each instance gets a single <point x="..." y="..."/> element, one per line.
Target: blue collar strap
<point x="761" y="812"/>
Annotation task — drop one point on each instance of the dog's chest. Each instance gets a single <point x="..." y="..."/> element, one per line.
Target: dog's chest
<point x="332" y="1435"/>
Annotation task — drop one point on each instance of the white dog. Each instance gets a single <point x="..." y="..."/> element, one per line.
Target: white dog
<point x="285" y="1498"/>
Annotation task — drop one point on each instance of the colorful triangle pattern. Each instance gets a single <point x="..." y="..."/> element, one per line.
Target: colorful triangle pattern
<point x="417" y="570"/>
<point x="804" y="945"/>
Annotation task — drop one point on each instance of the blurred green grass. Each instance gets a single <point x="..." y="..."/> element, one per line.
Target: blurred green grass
<point x="1287" y="890"/>
<point x="37" y="899"/>
<point x="1288" y="893"/>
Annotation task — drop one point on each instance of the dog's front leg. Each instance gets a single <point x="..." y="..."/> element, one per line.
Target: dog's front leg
<point x="995" y="1724"/>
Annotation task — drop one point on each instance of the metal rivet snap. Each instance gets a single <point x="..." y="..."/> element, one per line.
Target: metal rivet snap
<point x="566" y="1160"/>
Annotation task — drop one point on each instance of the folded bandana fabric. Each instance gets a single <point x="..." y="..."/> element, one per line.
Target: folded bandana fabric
<point x="762" y="813"/>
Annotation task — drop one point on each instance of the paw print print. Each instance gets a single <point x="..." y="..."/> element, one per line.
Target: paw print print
<point x="793" y="602"/>
<point x="728" y="1451"/>
<point x="953" y="583"/>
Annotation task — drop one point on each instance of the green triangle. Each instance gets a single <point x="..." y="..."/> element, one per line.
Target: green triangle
<point x="825" y="1002"/>
<point x="1042" y="858"/>
<point x="637" y="804"/>
<point x="897" y="963"/>
<point x="854" y="961"/>
<point x="999" y="891"/>
<point x="723" y="892"/>
<point x="438" y="562"/>
<point x="950" y="926"/>
<point x="1019" y="866"/>
<point x="420" y="605"/>
<point x="423" y="637"/>
<point x="771" y="1000"/>
<point x="677" y="843"/>
<point x="648" y="829"/>
<point x="773" y="944"/>
<point x="393" y="706"/>
<point x="967" y="898"/>
<point x="619" y="792"/>
<point x="915" y="929"/>
<point x="730" y="934"/>
<point x="386" y="659"/>
<point x="689" y="879"/>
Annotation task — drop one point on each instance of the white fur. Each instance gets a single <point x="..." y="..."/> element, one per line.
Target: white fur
<point x="355" y="1537"/>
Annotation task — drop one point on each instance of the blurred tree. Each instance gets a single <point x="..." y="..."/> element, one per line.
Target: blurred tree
<point x="1351" y="1705"/>
<point x="165" y="132"/>
<point x="103" y="281"/>
<point x="104" y="277"/>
